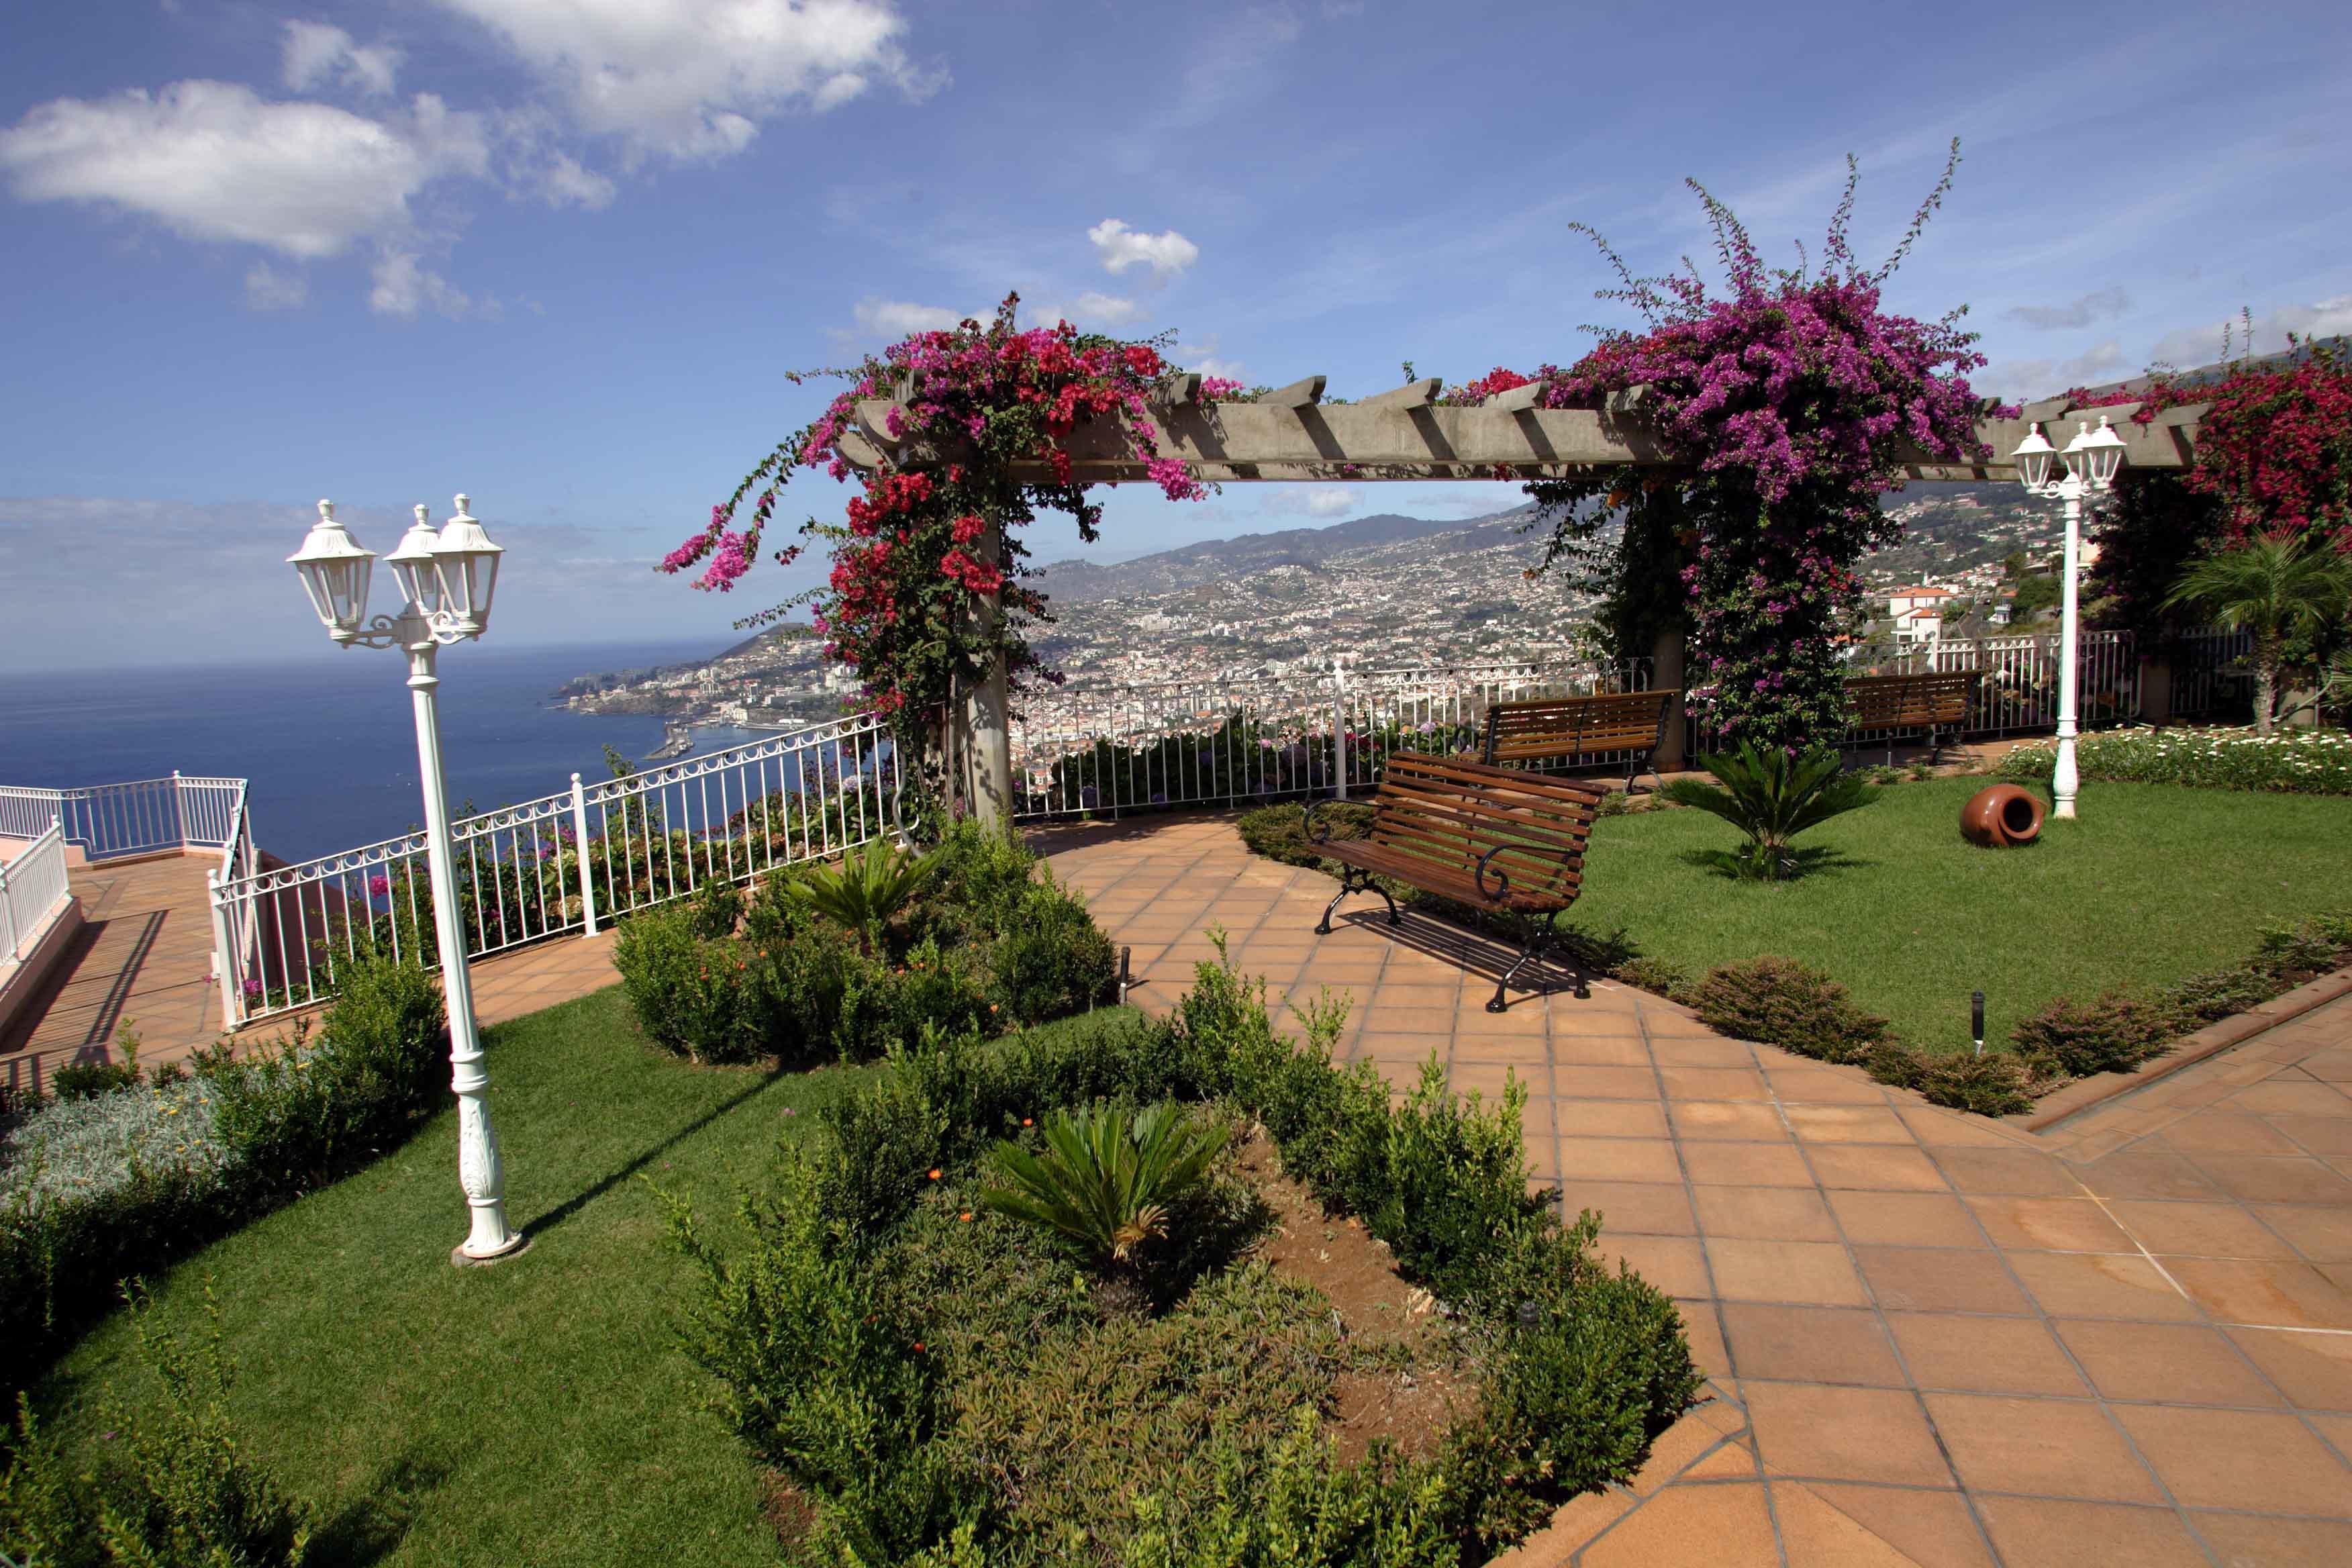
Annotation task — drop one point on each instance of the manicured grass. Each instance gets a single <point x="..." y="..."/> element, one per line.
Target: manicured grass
<point x="536" y="1412"/>
<point x="2153" y="883"/>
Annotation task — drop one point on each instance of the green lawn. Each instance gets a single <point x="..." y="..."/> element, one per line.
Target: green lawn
<point x="538" y="1412"/>
<point x="2152" y="883"/>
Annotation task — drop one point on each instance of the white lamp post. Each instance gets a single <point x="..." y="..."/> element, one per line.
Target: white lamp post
<point x="447" y="580"/>
<point x="2092" y="460"/>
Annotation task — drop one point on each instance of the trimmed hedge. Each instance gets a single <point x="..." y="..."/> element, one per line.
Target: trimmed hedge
<point x="100" y="1188"/>
<point x="852" y="1382"/>
<point x="2293" y="761"/>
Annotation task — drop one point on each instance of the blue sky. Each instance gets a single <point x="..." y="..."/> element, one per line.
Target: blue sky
<point x="553" y="253"/>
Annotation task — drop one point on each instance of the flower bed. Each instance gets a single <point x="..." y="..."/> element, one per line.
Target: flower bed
<point x="97" y="1188"/>
<point x="2296" y="762"/>
<point x="981" y="938"/>
<point x="935" y="1388"/>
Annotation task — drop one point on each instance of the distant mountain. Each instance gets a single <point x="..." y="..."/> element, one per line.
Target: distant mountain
<point x="1216" y="560"/>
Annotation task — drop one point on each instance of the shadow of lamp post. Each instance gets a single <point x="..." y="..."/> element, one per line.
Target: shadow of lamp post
<point x="2091" y="459"/>
<point x="445" y="580"/>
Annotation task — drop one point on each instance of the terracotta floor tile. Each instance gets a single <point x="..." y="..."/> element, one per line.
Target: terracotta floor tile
<point x="2317" y="1134"/>
<point x="1746" y="1164"/>
<point x="1772" y="1213"/>
<point x="1984" y="1355"/>
<point x="1704" y="1330"/>
<point x="2220" y="1459"/>
<point x="2198" y="1230"/>
<point x="1813" y="1534"/>
<point x="2051" y="1225"/>
<point x="1656" y="1208"/>
<point x="2276" y="1542"/>
<point x="1487" y="1080"/>
<point x="1810" y="1344"/>
<point x="2215" y="1131"/>
<point x="1811" y="1273"/>
<point x="2292" y="1094"/>
<point x="1672" y="1263"/>
<point x="1816" y="1086"/>
<point x="1710" y="1052"/>
<point x="1872" y="1167"/>
<point x="1805" y="1431"/>
<point x="1712" y="1083"/>
<point x="2098" y="1285"/>
<point x="2055" y="1448"/>
<point x="1610" y="1118"/>
<point x="1933" y="1528"/>
<point x="2145" y="1174"/>
<point x="1718" y="1121"/>
<point x="1604" y="1083"/>
<point x="2264" y="1294"/>
<point x="1519" y="1051"/>
<point x="1725" y="1523"/>
<point x="1906" y="1219"/>
<point x="1938" y="1128"/>
<point x="2268" y="1179"/>
<point x="2314" y="1371"/>
<point x="1848" y="1124"/>
<point x="1618" y="1160"/>
<point x="1603" y="1051"/>
<point x="1931" y="1279"/>
<point x="2017" y="1172"/>
<point x="2321" y="1235"/>
<point x="2179" y="1363"/>
<point x="2036" y="1532"/>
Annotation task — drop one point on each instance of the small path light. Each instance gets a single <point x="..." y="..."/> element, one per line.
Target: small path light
<point x="1976" y="1020"/>
<point x="447" y="578"/>
<point x="2091" y="459"/>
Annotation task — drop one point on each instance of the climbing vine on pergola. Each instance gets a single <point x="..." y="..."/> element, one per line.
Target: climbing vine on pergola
<point x="1742" y="437"/>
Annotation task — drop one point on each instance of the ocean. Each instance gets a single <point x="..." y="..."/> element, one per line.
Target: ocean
<point x="328" y="741"/>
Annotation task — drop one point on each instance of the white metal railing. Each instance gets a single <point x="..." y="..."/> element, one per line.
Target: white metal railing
<point x="2020" y="688"/>
<point x="561" y="863"/>
<point x="1114" y="748"/>
<point x="145" y="817"/>
<point x="33" y="888"/>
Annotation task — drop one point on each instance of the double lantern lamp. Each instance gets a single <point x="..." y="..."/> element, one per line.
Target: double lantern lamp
<point x="2091" y="460"/>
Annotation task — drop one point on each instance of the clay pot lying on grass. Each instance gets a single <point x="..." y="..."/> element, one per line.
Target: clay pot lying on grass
<point x="2001" y="814"/>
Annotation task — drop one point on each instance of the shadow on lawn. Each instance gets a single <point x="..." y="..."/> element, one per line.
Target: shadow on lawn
<point x="372" y="1528"/>
<point x="1813" y="860"/>
<point x="606" y="1183"/>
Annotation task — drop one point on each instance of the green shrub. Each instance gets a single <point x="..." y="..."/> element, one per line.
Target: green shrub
<point x="1103" y="1186"/>
<point x="715" y="908"/>
<point x="88" y="1080"/>
<point x="176" y="1486"/>
<point x="1659" y="976"/>
<point x="1278" y="831"/>
<point x="1994" y="1084"/>
<point x="1051" y="958"/>
<point x="981" y="874"/>
<point x="1780" y="1002"/>
<point x="687" y="990"/>
<point x="2070" y="1039"/>
<point x="2297" y="761"/>
<point x="2216" y="995"/>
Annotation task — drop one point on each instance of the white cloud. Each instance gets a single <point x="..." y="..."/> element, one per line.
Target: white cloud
<point x="214" y="161"/>
<point x="2031" y="378"/>
<point x="897" y="317"/>
<point x="1332" y="501"/>
<point x="1121" y="247"/>
<point x="404" y="286"/>
<point x="2189" y="347"/>
<point x="266" y="289"/>
<point x="693" y="79"/>
<point x="1106" y="310"/>
<point x="318" y="53"/>
<point x="1204" y="359"/>
<point x="2082" y="312"/>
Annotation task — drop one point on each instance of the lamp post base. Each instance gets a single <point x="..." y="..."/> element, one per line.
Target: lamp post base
<point x="517" y="1245"/>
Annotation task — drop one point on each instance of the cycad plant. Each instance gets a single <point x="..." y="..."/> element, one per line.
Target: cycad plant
<point x="1106" y="1180"/>
<point x="1771" y="796"/>
<point x="2276" y="588"/>
<point x="866" y="890"/>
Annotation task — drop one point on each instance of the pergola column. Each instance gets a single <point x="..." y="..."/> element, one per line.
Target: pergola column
<point x="1667" y="671"/>
<point x="986" y="716"/>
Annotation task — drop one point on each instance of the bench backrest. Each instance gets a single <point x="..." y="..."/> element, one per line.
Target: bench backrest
<point x="1552" y="727"/>
<point x="1449" y="811"/>
<point x="1910" y="701"/>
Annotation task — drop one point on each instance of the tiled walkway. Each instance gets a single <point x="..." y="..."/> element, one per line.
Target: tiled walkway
<point x="1930" y="1339"/>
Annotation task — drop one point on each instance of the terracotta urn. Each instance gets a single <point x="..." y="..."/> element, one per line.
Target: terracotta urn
<point x="2001" y="814"/>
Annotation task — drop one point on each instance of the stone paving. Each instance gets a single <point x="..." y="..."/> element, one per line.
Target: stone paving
<point x="1931" y="1338"/>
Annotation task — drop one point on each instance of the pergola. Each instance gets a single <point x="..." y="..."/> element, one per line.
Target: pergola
<point x="1405" y="433"/>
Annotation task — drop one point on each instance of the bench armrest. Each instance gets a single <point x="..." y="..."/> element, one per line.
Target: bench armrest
<point x="1502" y="878"/>
<point x="1315" y="832"/>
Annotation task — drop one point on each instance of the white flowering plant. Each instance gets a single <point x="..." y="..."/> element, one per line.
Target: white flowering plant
<point x="2296" y="762"/>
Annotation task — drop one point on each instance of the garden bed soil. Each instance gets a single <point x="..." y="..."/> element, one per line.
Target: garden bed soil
<point x="1426" y="1383"/>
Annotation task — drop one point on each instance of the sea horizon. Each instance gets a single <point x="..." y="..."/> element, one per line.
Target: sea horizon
<point x="329" y="742"/>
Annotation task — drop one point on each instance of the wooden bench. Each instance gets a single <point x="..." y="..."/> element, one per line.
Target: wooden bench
<point x="1502" y="840"/>
<point x="1885" y="705"/>
<point x="1573" y="729"/>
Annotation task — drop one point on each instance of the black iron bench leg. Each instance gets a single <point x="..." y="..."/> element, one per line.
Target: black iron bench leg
<point x="1537" y="937"/>
<point x="1348" y="884"/>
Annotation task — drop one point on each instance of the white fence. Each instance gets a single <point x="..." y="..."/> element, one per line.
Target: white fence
<point x="33" y="888"/>
<point x="1225" y="743"/>
<point x="560" y="863"/>
<point x="2019" y="693"/>
<point x="147" y="817"/>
